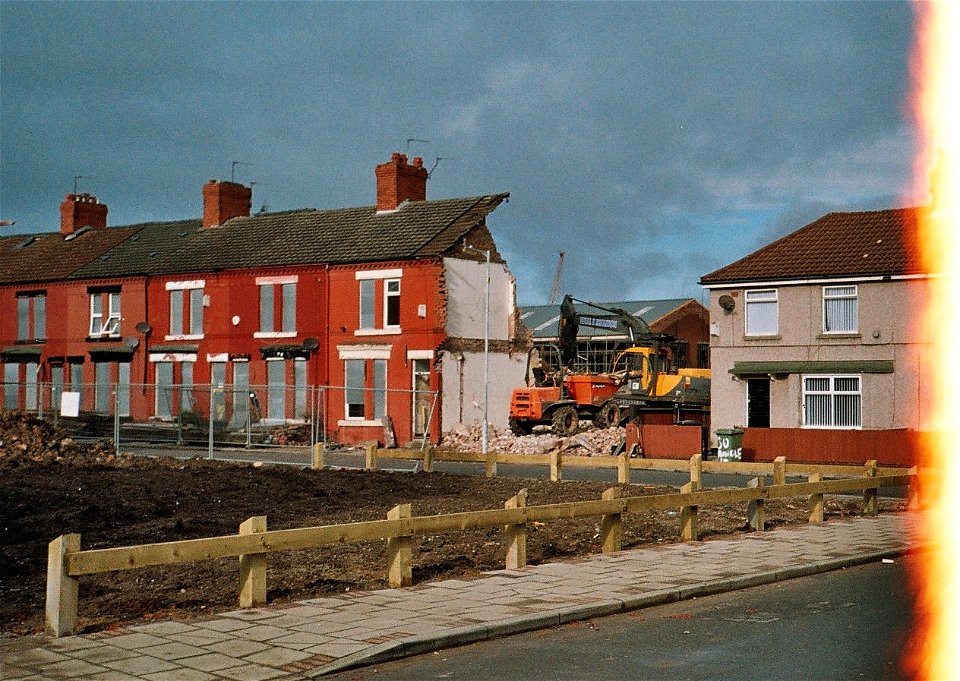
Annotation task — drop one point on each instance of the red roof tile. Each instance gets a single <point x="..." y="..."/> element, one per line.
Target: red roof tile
<point x="866" y="243"/>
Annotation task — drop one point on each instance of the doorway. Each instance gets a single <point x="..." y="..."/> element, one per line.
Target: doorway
<point x="758" y="402"/>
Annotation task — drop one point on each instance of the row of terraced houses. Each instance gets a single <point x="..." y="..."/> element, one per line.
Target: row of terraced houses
<point x="813" y="340"/>
<point x="382" y="304"/>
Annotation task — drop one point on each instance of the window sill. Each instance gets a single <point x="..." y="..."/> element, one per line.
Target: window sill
<point x="359" y="423"/>
<point x="105" y="337"/>
<point x="29" y="341"/>
<point x="274" y="334"/>
<point x="840" y="335"/>
<point x="395" y="331"/>
<point x="191" y="336"/>
<point x="762" y="337"/>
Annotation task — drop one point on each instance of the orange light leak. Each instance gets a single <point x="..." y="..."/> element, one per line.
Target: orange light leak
<point x="935" y="646"/>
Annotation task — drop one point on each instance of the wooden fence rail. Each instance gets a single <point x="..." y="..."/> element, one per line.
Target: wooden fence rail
<point x="67" y="562"/>
<point x="556" y="461"/>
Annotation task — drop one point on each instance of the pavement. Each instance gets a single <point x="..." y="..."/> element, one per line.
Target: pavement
<point x="311" y="638"/>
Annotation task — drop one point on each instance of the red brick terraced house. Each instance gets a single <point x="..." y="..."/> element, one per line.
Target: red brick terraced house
<point x="816" y="345"/>
<point x="380" y="305"/>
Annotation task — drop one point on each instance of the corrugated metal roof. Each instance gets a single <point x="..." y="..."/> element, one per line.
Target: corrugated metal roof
<point x="542" y="319"/>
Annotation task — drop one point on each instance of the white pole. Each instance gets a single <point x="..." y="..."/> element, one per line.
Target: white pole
<point x="486" y="359"/>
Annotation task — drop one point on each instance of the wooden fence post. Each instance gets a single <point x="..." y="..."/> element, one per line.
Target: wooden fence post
<point x="428" y="459"/>
<point x="870" y="495"/>
<point x="688" y="515"/>
<point x="371" y="462"/>
<point x="317" y="456"/>
<point x="253" y="567"/>
<point x="816" y="500"/>
<point x="756" y="517"/>
<point x="515" y="535"/>
<point x="490" y="465"/>
<point x="696" y="471"/>
<point x="611" y="530"/>
<point x="780" y="470"/>
<point x="400" y="551"/>
<point x="62" y="589"/>
<point x="623" y="468"/>
<point x="913" y="489"/>
<point x="556" y="465"/>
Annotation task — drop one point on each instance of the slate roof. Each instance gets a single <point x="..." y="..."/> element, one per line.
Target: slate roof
<point x="418" y="229"/>
<point x="542" y="319"/>
<point x="848" y="244"/>
<point x="26" y="258"/>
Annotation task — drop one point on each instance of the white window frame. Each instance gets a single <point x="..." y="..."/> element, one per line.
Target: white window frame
<point x="833" y="393"/>
<point x="836" y="295"/>
<point x="189" y="300"/>
<point x="271" y="330"/>
<point x="387" y="295"/>
<point x="370" y="355"/>
<point x="772" y="297"/>
<point x="101" y="327"/>
<point x="367" y="324"/>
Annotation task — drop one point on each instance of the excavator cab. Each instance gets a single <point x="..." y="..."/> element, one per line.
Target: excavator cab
<point x="638" y="367"/>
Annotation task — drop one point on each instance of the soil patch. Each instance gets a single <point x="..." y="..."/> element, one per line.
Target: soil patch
<point x="48" y="489"/>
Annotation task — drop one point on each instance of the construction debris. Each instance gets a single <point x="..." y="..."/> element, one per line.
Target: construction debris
<point x="26" y="439"/>
<point x="589" y="442"/>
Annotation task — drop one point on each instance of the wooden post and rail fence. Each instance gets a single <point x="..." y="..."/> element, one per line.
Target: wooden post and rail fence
<point x="67" y="562"/>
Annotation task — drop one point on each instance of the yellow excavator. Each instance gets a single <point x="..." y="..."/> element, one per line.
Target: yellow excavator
<point x="643" y="385"/>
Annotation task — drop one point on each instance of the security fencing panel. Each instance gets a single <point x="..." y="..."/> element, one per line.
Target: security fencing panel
<point x="223" y="416"/>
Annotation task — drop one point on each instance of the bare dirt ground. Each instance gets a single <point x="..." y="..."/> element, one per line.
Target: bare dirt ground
<point x="51" y="486"/>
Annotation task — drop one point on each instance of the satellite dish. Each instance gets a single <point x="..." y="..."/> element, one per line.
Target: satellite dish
<point x="144" y="328"/>
<point x="310" y="344"/>
<point x="727" y="303"/>
<point x="131" y="342"/>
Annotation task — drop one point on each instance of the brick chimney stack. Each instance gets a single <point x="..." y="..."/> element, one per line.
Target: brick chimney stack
<point x="223" y="200"/>
<point x="398" y="181"/>
<point x="82" y="210"/>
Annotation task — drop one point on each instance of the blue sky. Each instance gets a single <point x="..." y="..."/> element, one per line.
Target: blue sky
<point x="652" y="142"/>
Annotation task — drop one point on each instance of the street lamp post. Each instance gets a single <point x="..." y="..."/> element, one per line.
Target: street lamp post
<point x="485" y="444"/>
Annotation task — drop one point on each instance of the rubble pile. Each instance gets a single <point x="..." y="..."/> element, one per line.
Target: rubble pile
<point x="26" y="440"/>
<point x="589" y="442"/>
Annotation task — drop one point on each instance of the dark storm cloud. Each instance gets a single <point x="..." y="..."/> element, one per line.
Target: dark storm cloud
<point x="653" y="142"/>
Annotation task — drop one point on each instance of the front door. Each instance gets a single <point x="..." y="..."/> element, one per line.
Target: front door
<point x="758" y="402"/>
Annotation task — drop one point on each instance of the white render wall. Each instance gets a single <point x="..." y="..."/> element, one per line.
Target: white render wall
<point x="466" y="290"/>
<point x="462" y="387"/>
<point x="889" y="329"/>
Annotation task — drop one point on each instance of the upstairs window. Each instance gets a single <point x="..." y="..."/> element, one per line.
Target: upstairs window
<point x="762" y="312"/>
<point x="840" y="309"/>
<point x="367" y="305"/>
<point x="379" y="304"/>
<point x="31" y="316"/>
<point x="831" y="402"/>
<point x="104" y="314"/>
<point x="186" y="308"/>
<point x="391" y="303"/>
<point x="278" y="307"/>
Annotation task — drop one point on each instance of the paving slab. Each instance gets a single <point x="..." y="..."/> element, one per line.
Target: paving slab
<point x="311" y="638"/>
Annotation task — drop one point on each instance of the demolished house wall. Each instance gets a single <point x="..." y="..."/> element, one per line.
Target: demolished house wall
<point x="461" y="356"/>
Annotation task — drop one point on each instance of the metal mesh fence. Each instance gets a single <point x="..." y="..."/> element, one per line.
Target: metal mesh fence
<point x="214" y="416"/>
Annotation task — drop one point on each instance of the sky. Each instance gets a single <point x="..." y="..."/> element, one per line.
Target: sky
<point x="651" y="142"/>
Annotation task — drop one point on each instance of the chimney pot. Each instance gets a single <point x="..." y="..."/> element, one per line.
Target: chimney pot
<point x="82" y="210"/>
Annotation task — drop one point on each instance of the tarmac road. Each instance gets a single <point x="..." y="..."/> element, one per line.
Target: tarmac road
<point x="847" y="624"/>
<point x="352" y="459"/>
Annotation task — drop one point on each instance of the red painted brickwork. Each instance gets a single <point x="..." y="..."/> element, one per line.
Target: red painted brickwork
<point x="224" y="200"/>
<point x="398" y="181"/>
<point x="82" y="210"/>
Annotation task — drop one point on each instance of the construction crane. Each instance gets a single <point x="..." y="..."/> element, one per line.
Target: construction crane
<point x="555" y="289"/>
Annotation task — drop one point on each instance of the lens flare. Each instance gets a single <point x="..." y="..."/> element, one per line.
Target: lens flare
<point x="935" y="647"/>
